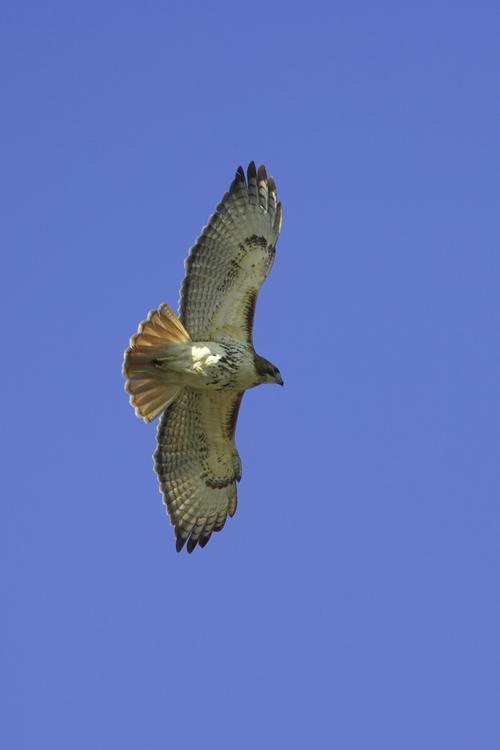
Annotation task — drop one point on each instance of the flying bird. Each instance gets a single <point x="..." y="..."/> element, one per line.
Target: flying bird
<point x="195" y="368"/>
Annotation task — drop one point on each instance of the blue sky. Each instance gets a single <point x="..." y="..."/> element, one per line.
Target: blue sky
<point x="352" y="602"/>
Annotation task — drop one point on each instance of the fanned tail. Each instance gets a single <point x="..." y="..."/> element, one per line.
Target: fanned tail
<point x="149" y="394"/>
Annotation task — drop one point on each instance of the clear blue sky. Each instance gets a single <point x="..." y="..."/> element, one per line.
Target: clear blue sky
<point x="353" y="601"/>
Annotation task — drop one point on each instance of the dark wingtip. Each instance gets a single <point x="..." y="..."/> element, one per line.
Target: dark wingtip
<point x="191" y="544"/>
<point x="180" y="539"/>
<point x="262" y="174"/>
<point x="251" y="171"/>
<point x="179" y="543"/>
<point x="239" y="179"/>
<point x="203" y="541"/>
<point x="271" y="184"/>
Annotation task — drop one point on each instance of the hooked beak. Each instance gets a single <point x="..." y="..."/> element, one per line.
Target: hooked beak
<point x="280" y="381"/>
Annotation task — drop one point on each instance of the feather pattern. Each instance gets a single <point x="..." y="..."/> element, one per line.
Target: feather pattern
<point x="230" y="260"/>
<point x="197" y="463"/>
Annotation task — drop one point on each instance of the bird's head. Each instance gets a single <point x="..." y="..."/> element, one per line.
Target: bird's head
<point x="267" y="372"/>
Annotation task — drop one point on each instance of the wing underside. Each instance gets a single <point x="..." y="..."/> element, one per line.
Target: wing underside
<point x="198" y="465"/>
<point x="232" y="257"/>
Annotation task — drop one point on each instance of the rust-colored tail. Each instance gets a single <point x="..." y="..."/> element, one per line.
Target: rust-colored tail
<point x="149" y="394"/>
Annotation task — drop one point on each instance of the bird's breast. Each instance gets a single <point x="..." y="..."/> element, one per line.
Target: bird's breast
<point x="221" y="365"/>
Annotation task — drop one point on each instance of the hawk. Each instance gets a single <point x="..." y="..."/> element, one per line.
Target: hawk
<point x="195" y="368"/>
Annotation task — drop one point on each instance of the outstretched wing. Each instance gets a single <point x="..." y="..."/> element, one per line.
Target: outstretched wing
<point x="229" y="261"/>
<point x="197" y="463"/>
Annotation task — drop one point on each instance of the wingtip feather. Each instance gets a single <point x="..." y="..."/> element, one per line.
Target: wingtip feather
<point x="262" y="174"/>
<point x="204" y="540"/>
<point x="251" y="171"/>
<point x="180" y="541"/>
<point x="191" y="544"/>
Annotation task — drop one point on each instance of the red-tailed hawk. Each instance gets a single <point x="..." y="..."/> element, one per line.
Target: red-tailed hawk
<point x="196" y="367"/>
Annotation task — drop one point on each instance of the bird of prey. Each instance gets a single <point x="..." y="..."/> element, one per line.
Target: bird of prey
<point x="194" y="369"/>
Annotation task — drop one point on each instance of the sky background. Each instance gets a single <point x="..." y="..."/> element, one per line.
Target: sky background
<point x="353" y="601"/>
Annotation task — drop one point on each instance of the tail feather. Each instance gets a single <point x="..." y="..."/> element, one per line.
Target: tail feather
<point x="162" y="326"/>
<point x="149" y="393"/>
